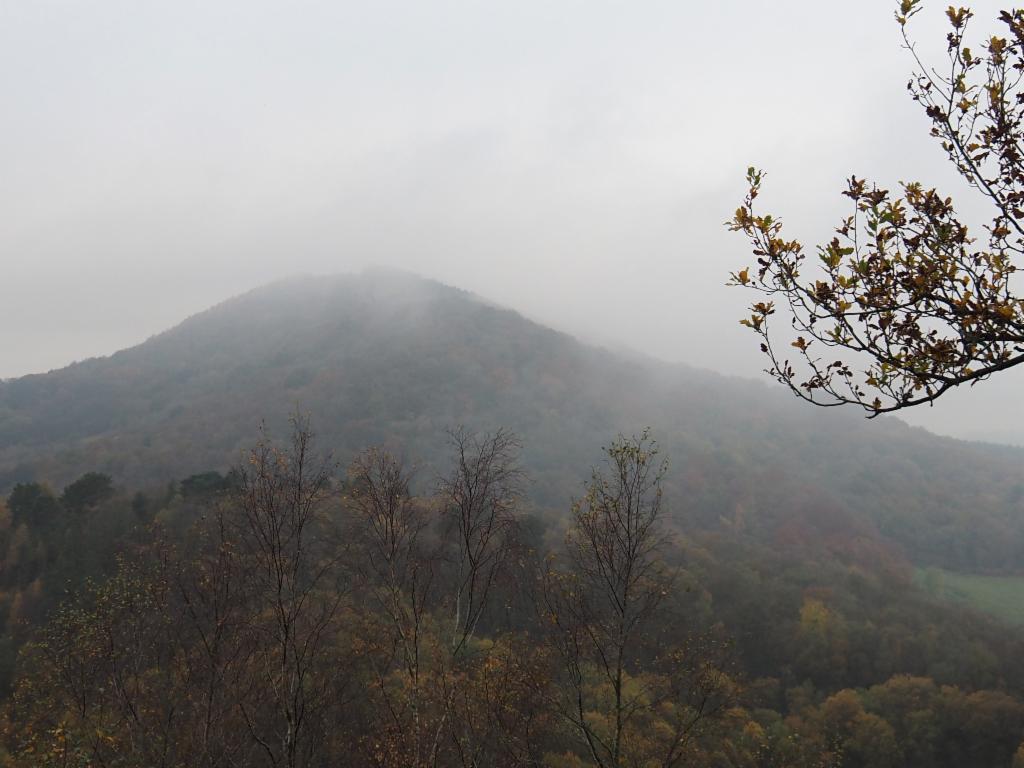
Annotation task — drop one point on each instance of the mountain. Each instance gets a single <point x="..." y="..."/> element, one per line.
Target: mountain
<point x="852" y="585"/>
<point x="391" y="358"/>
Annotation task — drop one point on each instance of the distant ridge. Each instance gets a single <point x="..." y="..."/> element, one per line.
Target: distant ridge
<point x="389" y="357"/>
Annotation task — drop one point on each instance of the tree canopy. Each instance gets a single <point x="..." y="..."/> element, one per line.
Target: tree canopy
<point x="905" y="302"/>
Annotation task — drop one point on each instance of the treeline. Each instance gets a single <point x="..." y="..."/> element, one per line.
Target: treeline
<point x="283" y="616"/>
<point x="51" y="543"/>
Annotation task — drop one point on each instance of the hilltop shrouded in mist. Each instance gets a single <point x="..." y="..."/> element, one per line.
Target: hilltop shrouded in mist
<point x="799" y="568"/>
<point x="450" y="463"/>
<point x="571" y="160"/>
<point x="389" y="358"/>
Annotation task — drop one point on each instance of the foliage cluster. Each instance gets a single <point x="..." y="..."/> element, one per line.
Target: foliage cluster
<point x="289" y="615"/>
<point x="905" y="303"/>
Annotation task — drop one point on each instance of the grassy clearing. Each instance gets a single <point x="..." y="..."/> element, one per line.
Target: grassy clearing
<point x="1000" y="596"/>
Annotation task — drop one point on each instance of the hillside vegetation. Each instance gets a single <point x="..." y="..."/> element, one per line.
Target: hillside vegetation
<point x="795" y="542"/>
<point x="387" y="358"/>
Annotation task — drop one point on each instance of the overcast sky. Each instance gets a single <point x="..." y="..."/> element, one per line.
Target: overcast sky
<point x="573" y="160"/>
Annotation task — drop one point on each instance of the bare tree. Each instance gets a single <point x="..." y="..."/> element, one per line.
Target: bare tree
<point x="478" y="506"/>
<point x="280" y="525"/>
<point x="433" y="594"/>
<point x="600" y="606"/>
<point x="390" y="527"/>
<point x="479" y="500"/>
<point x="213" y="604"/>
<point x="223" y="652"/>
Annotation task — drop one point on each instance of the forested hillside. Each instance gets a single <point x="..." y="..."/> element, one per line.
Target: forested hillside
<point x="388" y="358"/>
<point x="441" y="604"/>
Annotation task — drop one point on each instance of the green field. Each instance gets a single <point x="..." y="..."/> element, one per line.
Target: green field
<point x="1001" y="596"/>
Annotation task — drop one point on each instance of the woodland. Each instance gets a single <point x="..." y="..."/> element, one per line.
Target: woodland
<point x="292" y="612"/>
<point x="181" y="588"/>
<point x="376" y="521"/>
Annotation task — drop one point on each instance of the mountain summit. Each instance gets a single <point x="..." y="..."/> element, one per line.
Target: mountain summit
<point x="390" y="358"/>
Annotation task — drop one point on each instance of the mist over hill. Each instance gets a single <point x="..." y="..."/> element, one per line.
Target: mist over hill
<point x="389" y="358"/>
<point x="831" y="569"/>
